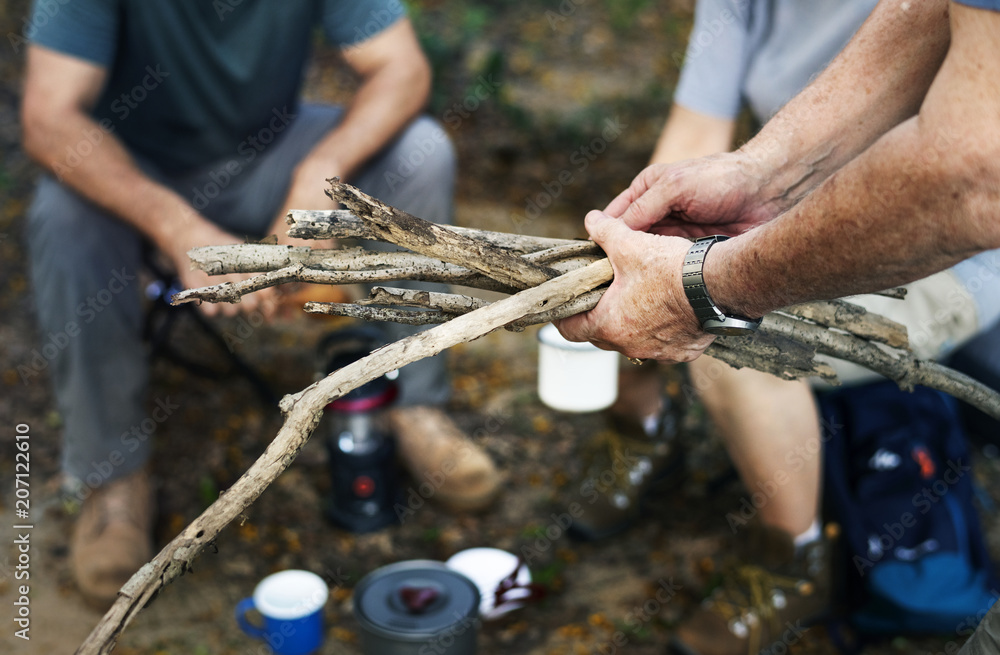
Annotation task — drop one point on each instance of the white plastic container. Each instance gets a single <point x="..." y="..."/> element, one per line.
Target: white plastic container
<point x="575" y="377"/>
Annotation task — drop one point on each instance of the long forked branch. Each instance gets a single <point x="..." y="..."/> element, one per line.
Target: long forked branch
<point x="302" y="414"/>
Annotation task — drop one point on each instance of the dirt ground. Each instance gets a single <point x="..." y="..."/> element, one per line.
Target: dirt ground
<point x="564" y="70"/>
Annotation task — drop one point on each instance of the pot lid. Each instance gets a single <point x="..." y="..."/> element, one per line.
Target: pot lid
<point x="415" y="600"/>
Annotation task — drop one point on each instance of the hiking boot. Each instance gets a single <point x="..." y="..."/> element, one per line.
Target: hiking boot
<point x="766" y="601"/>
<point x="621" y="466"/>
<point x="112" y="537"/>
<point x="435" y="450"/>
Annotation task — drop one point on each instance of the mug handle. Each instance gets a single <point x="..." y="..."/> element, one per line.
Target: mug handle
<point x="242" y="608"/>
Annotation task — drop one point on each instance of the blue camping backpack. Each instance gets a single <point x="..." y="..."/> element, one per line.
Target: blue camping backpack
<point x="898" y="479"/>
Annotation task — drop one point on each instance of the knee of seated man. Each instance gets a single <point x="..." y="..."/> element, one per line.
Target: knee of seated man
<point x="62" y="214"/>
<point x="74" y="243"/>
<point x="425" y="154"/>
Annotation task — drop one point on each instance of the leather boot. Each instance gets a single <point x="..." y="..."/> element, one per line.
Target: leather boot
<point x="436" y="451"/>
<point x="767" y="600"/>
<point x="112" y="537"/>
<point x="623" y="465"/>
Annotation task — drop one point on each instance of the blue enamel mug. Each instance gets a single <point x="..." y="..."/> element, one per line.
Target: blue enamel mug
<point x="291" y="604"/>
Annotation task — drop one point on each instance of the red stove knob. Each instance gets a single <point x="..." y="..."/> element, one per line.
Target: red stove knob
<point x="363" y="486"/>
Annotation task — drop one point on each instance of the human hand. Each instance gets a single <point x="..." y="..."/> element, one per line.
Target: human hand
<point x="307" y="191"/>
<point x="720" y="194"/>
<point x="204" y="233"/>
<point x="644" y="313"/>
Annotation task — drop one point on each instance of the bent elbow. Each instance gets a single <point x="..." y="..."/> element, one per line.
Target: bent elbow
<point x="968" y="167"/>
<point x="39" y="125"/>
<point x="421" y="78"/>
<point x="980" y="174"/>
<point x="32" y="129"/>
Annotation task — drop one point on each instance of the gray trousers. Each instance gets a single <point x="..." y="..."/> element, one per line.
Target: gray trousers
<point x="85" y="263"/>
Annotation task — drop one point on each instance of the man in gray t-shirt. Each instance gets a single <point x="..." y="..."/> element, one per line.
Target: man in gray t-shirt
<point x="179" y="124"/>
<point x="760" y="54"/>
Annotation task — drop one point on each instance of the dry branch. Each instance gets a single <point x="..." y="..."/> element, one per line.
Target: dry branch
<point x="899" y="293"/>
<point x="449" y="303"/>
<point x="342" y="224"/>
<point x="854" y="319"/>
<point x="583" y="303"/>
<point x="396" y="226"/>
<point x="422" y="268"/>
<point x="429" y="272"/>
<point x="771" y="352"/>
<point x="260" y="258"/>
<point x="379" y="314"/>
<point x="853" y="327"/>
<point x="896" y="364"/>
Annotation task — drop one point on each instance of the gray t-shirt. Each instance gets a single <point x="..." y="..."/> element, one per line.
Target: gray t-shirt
<point x="761" y="52"/>
<point x="192" y="81"/>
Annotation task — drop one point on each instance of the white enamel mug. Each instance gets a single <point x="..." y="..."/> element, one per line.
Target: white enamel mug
<point x="575" y="377"/>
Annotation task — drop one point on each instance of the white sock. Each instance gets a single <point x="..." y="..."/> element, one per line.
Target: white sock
<point x="650" y="423"/>
<point x="811" y="534"/>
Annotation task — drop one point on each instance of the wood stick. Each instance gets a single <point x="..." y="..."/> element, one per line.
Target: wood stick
<point x="565" y="295"/>
<point x="387" y="314"/>
<point x="772" y="352"/>
<point x="342" y="224"/>
<point x="259" y="258"/>
<point x="854" y="319"/>
<point x="582" y="303"/>
<point x="572" y="249"/>
<point x="899" y="293"/>
<point x="396" y="226"/>
<point x="898" y="365"/>
<point x="445" y="273"/>
<point x="449" y="303"/>
<point x="429" y="270"/>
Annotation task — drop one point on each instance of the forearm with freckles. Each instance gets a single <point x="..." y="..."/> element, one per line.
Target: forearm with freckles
<point x="108" y="176"/>
<point x="920" y="199"/>
<point x="878" y="81"/>
<point x="889" y="217"/>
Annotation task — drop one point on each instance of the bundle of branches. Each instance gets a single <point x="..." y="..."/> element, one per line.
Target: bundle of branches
<point x="547" y="279"/>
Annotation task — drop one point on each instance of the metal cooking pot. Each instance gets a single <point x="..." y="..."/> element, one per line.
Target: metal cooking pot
<point x="417" y="607"/>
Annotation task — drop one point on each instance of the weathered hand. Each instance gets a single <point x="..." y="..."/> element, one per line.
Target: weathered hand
<point x="644" y="313"/>
<point x="720" y="194"/>
<point x="204" y="233"/>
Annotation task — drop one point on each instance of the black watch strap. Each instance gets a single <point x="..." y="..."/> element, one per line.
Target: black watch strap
<point x="711" y="318"/>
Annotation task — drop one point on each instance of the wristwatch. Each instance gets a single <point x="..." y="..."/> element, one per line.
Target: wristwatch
<point x="712" y="319"/>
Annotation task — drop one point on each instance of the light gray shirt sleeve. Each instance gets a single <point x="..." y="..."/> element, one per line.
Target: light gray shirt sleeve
<point x="715" y="64"/>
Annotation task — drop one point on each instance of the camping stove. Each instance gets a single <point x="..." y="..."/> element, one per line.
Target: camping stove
<point x="361" y="447"/>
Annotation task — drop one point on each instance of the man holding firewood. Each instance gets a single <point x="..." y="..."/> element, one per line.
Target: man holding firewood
<point x="881" y="172"/>
<point x="179" y="124"/>
<point x="874" y="176"/>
